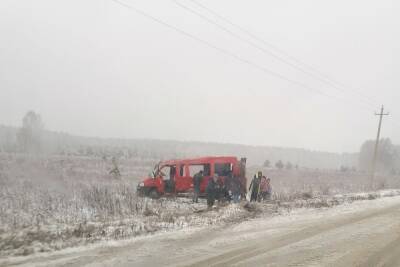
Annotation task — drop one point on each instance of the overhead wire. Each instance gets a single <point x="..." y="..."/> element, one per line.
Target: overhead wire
<point x="290" y="57"/>
<point x="225" y="52"/>
<point x="266" y="51"/>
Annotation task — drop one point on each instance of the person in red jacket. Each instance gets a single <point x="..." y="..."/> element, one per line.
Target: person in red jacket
<point x="265" y="188"/>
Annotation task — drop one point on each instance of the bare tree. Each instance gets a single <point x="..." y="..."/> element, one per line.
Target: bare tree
<point x="279" y="165"/>
<point x="267" y="164"/>
<point x="29" y="136"/>
<point x="388" y="155"/>
<point x="115" y="170"/>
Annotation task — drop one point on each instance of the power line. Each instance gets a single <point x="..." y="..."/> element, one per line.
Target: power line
<point x="223" y="51"/>
<point x="227" y="52"/>
<point x="311" y="70"/>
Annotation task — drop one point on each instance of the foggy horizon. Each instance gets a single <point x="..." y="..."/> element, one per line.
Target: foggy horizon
<point x="190" y="141"/>
<point x="199" y="133"/>
<point x="195" y="141"/>
<point x="99" y="69"/>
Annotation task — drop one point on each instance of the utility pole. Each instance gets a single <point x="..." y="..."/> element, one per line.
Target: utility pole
<point x="381" y="114"/>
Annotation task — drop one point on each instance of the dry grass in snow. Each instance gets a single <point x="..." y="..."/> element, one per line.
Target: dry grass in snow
<point x="50" y="203"/>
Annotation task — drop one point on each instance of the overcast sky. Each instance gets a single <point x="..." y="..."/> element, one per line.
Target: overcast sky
<point x="97" y="68"/>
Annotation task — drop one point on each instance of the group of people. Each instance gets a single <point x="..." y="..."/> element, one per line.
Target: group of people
<point x="228" y="190"/>
<point x="260" y="187"/>
<point x="231" y="188"/>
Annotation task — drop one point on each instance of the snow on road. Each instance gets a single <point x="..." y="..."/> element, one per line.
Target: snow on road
<point x="361" y="233"/>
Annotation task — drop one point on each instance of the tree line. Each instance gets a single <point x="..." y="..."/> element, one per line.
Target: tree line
<point x="30" y="139"/>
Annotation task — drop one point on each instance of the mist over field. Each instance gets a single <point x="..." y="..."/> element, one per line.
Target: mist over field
<point x="103" y="69"/>
<point x="66" y="144"/>
<point x="59" y="190"/>
<point x="216" y="133"/>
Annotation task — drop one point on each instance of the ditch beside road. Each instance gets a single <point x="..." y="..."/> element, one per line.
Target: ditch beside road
<point x="363" y="233"/>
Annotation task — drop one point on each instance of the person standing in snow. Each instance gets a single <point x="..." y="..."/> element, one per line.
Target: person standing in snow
<point x="254" y="187"/>
<point x="265" y="188"/>
<point x="212" y="191"/>
<point x="234" y="187"/>
<point x="269" y="188"/>
<point x="198" y="177"/>
<point x="222" y="194"/>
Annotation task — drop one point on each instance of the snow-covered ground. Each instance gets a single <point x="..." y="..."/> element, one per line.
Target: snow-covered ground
<point x="357" y="233"/>
<point x="167" y="215"/>
<point x="52" y="203"/>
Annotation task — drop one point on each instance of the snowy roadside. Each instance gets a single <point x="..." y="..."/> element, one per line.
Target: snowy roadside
<point x="152" y="216"/>
<point x="160" y="216"/>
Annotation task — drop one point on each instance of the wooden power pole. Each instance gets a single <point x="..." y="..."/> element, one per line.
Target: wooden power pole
<point x="373" y="168"/>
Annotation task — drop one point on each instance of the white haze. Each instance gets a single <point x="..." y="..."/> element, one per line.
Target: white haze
<point x="96" y="68"/>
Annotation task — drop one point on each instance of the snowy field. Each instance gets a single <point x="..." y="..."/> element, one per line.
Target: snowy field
<point x="52" y="203"/>
<point x="361" y="233"/>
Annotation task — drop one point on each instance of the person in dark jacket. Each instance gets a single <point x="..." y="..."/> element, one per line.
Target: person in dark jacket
<point x="222" y="195"/>
<point x="233" y="187"/>
<point x="254" y="187"/>
<point x="198" y="177"/>
<point x="236" y="188"/>
<point x="212" y="191"/>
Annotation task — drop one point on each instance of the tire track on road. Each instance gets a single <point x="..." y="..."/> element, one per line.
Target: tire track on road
<point x="242" y="254"/>
<point x="387" y="256"/>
